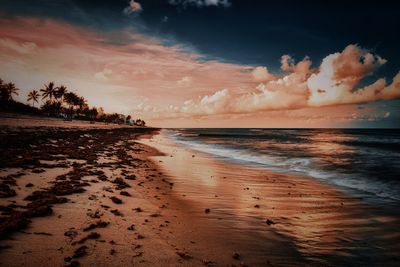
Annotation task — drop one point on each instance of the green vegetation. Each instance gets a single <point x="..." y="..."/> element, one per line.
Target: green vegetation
<point x="58" y="102"/>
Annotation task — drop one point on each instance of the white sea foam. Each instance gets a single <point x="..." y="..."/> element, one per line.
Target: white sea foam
<point x="303" y="166"/>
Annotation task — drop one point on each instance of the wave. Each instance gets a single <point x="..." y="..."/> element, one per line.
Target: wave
<point x="303" y="166"/>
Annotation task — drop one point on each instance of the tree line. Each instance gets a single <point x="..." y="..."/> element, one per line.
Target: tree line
<point x="57" y="101"/>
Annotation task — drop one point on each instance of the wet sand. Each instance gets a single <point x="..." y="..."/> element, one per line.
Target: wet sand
<point x="277" y="218"/>
<point x="75" y="196"/>
<point x="81" y="196"/>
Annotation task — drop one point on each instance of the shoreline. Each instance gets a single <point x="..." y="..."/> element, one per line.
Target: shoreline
<point x="324" y="224"/>
<point x="109" y="199"/>
<point x="84" y="203"/>
<point x="15" y="121"/>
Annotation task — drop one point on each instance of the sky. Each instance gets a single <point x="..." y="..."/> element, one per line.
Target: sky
<point x="212" y="63"/>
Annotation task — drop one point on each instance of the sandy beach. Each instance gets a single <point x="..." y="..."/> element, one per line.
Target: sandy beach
<point x="194" y="133"/>
<point x="126" y="196"/>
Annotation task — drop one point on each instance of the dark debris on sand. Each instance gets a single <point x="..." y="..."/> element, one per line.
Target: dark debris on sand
<point x="99" y="224"/>
<point x="116" y="200"/>
<point x="47" y="144"/>
<point x="80" y="252"/>
<point x="124" y="193"/>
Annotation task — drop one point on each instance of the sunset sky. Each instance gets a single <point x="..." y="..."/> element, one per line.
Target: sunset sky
<point x="212" y="63"/>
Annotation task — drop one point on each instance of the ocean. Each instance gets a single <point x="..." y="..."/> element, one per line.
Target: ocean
<point x="364" y="162"/>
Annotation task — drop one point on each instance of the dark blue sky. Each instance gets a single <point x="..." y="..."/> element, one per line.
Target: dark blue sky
<point x="254" y="32"/>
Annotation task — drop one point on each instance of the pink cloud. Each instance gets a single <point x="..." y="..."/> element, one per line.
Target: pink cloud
<point x="340" y="73"/>
<point x="261" y="74"/>
<point x="334" y="82"/>
<point x="286" y="63"/>
<point x="117" y="77"/>
<point x="159" y="82"/>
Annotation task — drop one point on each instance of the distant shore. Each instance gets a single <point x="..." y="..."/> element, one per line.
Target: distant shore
<point x="15" y="120"/>
<point x="75" y="193"/>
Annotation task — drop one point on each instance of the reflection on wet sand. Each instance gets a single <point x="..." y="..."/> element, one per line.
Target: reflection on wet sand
<point x="268" y="212"/>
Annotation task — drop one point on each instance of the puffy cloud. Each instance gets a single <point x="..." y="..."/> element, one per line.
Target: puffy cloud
<point x="134" y="7"/>
<point x="261" y="74"/>
<point x="200" y="3"/>
<point x="303" y="67"/>
<point x="286" y="63"/>
<point x="393" y="90"/>
<point x="215" y="103"/>
<point x="335" y="82"/>
<point x="339" y="75"/>
<point x="353" y="64"/>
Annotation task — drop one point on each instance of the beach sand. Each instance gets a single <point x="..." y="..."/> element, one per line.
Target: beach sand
<point x="99" y="196"/>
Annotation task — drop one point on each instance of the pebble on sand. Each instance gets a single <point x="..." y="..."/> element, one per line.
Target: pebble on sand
<point x="124" y="193"/>
<point x="116" y="200"/>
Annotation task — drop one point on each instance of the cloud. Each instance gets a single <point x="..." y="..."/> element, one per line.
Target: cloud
<point x="185" y="81"/>
<point x="393" y="90"/>
<point x="261" y="74"/>
<point x="110" y="75"/>
<point x="22" y="48"/>
<point x="335" y="82"/>
<point x="200" y="3"/>
<point x="134" y="7"/>
<point x="104" y="74"/>
<point x="181" y="84"/>
<point x="286" y="63"/>
<point x="340" y="73"/>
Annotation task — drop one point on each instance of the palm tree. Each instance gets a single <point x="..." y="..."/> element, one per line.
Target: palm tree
<point x="11" y="89"/>
<point x="48" y="91"/>
<point x="33" y="96"/>
<point x="82" y="103"/>
<point x="71" y="99"/>
<point x="60" y="92"/>
<point x="93" y="113"/>
<point x="3" y="92"/>
<point x="7" y="90"/>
